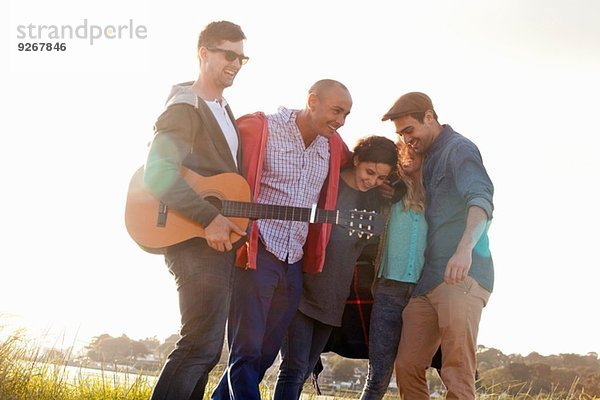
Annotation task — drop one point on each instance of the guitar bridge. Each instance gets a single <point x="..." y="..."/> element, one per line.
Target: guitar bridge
<point x="161" y="220"/>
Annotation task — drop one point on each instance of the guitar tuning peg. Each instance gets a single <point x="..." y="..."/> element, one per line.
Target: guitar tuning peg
<point x="360" y="234"/>
<point x="350" y="232"/>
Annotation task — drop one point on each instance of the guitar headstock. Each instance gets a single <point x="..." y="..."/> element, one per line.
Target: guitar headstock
<point x="362" y="222"/>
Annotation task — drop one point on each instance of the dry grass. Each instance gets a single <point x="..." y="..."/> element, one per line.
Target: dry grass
<point x="26" y="375"/>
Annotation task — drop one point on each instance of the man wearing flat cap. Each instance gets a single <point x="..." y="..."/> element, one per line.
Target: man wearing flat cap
<point x="458" y="275"/>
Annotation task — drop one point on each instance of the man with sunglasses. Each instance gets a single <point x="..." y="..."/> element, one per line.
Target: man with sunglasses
<point x="197" y="130"/>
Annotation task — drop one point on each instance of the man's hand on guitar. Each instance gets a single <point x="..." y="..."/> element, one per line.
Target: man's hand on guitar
<point x="217" y="233"/>
<point x="155" y="227"/>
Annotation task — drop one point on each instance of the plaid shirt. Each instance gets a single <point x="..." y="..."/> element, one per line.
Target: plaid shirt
<point x="292" y="176"/>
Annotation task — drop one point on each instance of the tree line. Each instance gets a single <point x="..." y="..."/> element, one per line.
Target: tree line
<point x="497" y="372"/>
<point x="534" y="373"/>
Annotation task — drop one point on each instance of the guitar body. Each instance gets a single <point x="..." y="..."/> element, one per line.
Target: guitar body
<point x="154" y="232"/>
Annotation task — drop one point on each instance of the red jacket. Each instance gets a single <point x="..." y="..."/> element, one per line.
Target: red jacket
<point x="254" y="129"/>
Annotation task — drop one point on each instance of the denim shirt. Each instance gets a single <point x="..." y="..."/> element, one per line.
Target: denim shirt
<point x="455" y="179"/>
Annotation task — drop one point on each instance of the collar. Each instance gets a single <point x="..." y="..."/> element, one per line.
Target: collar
<point x="442" y="139"/>
<point x="219" y="103"/>
<point x="288" y="114"/>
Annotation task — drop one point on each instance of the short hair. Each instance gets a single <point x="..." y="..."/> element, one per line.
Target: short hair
<point x="325" y="84"/>
<point x="219" y="31"/>
<point x="377" y="149"/>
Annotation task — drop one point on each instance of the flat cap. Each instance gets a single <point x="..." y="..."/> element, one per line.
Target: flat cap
<point x="409" y="103"/>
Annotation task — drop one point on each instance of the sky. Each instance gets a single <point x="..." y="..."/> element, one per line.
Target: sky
<point x="518" y="77"/>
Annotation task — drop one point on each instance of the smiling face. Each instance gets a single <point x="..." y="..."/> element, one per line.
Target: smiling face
<point x="409" y="161"/>
<point x="368" y="174"/>
<point x="418" y="135"/>
<point x="219" y="72"/>
<point x="329" y="109"/>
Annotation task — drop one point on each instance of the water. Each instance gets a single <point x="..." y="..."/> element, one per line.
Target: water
<point x="74" y="374"/>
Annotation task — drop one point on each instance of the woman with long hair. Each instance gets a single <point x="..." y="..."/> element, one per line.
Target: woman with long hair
<point x="399" y="263"/>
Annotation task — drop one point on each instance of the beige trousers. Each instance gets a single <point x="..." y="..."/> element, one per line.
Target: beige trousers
<point x="448" y="315"/>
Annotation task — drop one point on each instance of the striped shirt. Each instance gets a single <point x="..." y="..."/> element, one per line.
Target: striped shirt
<point x="292" y="176"/>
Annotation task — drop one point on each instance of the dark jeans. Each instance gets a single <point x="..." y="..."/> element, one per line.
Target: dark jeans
<point x="390" y="298"/>
<point x="264" y="302"/>
<point x="306" y="338"/>
<point x="204" y="279"/>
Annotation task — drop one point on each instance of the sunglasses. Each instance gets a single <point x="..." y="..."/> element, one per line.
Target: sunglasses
<point x="231" y="55"/>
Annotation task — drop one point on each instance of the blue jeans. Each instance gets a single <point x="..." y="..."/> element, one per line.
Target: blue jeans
<point x="305" y="340"/>
<point x="264" y="302"/>
<point x="204" y="279"/>
<point x="389" y="301"/>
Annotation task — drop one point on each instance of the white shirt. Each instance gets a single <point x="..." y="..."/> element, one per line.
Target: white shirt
<point x="220" y="113"/>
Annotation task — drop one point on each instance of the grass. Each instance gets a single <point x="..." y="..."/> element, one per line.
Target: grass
<point x="521" y="394"/>
<point x="25" y="375"/>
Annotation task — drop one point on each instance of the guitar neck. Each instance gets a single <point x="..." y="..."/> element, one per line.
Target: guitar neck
<point x="269" y="211"/>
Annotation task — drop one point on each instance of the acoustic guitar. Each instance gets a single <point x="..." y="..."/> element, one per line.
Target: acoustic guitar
<point x="153" y="226"/>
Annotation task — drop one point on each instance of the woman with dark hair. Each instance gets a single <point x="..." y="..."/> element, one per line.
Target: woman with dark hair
<point x="324" y="294"/>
